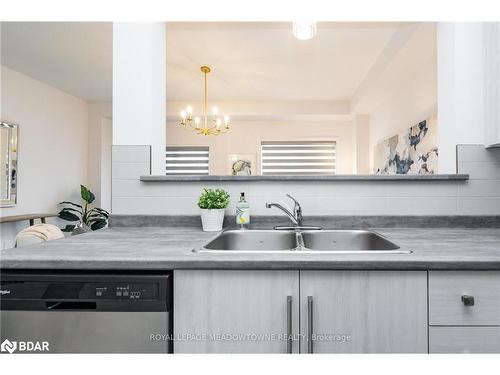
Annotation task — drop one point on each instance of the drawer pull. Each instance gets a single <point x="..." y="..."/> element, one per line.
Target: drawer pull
<point x="468" y="300"/>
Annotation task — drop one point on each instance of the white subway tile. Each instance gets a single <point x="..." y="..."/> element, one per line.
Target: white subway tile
<point x="480" y="170"/>
<point x="421" y="189"/>
<point x="480" y="188"/>
<point x="154" y="206"/>
<point x="478" y="206"/>
<point x="466" y="153"/>
<point x="131" y="154"/>
<point x="344" y="205"/>
<point x="421" y="206"/>
<point x="129" y="171"/>
<point x="131" y="188"/>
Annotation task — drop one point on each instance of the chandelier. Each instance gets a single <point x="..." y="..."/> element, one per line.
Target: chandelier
<point x="207" y="124"/>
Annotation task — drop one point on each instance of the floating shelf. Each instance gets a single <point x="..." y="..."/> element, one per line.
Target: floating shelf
<point x="340" y="177"/>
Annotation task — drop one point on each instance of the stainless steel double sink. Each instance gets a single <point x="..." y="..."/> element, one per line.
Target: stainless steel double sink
<point x="318" y="241"/>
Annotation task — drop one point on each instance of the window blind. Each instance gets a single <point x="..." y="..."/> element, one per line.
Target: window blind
<point x="298" y="157"/>
<point x="187" y="160"/>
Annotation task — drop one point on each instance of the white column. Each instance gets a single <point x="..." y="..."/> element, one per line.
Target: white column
<point x="464" y="73"/>
<point x="491" y="32"/>
<point x="361" y="144"/>
<point x="139" y="88"/>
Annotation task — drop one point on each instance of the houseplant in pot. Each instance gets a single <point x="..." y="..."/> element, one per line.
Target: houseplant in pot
<point x="87" y="218"/>
<point x="213" y="203"/>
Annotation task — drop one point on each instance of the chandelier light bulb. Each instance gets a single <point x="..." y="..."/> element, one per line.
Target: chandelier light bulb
<point x="205" y="124"/>
<point x="304" y="30"/>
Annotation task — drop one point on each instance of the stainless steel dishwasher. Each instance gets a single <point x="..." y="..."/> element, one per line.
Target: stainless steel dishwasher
<point x="87" y="312"/>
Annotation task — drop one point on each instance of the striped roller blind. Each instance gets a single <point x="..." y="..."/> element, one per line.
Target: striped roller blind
<point x="298" y="157"/>
<point x="185" y="160"/>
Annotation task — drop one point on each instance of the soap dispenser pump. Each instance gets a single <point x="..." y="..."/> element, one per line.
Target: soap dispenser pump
<point x="242" y="212"/>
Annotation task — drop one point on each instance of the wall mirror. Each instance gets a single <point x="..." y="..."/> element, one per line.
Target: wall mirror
<point x="8" y="157"/>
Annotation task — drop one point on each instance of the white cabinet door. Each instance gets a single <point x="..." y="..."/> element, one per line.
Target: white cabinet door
<point x="364" y="311"/>
<point x="235" y="311"/>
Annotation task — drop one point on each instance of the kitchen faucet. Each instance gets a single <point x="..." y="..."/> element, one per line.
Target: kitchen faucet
<point x="295" y="216"/>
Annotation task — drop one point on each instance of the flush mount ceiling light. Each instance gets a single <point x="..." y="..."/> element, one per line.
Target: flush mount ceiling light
<point x="207" y="125"/>
<point x="304" y="30"/>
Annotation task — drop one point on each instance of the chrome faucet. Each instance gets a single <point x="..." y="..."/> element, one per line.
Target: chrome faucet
<point x="295" y="216"/>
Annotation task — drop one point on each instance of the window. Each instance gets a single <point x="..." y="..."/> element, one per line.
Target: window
<point x="187" y="160"/>
<point x="298" y="157"/>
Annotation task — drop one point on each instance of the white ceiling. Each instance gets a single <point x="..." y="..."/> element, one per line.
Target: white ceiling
<point x="250" y="61"/>
<point x="264" y="61"/>
<point x="74" y="57"/>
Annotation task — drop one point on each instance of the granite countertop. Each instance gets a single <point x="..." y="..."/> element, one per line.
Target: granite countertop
<point x="133" y="248"/>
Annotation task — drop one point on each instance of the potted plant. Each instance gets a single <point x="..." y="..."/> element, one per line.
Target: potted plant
<point x="87" y="218"/>
<point x="213" y="203"/>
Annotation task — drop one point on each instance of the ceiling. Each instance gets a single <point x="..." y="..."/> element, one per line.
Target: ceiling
<point x="250" y="61"/>
<point x="264" y="61"/>
<point x="74" y="57"/>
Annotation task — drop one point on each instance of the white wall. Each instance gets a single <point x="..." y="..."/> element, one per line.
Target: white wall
<point x="414" y="101"/>
<point x="53" y="146"/>
<point x="245" y="138"/>
<point x="106" y="142"/>
<point x="99" y="148"/>
<point x="271" y="120"/>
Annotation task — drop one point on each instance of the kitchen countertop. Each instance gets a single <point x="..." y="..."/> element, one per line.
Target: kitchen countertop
<point x="132" y="248"/>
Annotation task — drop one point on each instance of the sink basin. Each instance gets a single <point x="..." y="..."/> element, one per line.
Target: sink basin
<point x="348" y="241"/>
<point x="252" y="240"/>
<point x="314" y="242"/>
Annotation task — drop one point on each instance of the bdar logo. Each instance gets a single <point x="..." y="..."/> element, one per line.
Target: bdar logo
<point x="8" y="346"/>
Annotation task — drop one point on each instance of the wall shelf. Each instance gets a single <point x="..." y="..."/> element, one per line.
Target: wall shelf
<point x="345" y="177"/>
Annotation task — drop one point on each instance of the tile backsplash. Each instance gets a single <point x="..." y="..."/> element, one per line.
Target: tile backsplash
<point x="480" y="195"/>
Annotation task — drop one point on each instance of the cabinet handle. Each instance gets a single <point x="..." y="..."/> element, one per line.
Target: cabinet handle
<point x="289" y="324"/>
<point x="309" y="324"/>
<point x="468" y="300"/>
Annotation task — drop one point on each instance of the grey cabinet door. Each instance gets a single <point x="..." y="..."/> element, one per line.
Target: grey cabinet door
<point x="235" y="311"/>
<point x="446" y="289"/>
<point x="364" y="311"/>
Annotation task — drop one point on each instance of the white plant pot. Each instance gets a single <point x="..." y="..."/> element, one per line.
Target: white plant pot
<point x="212" y="219"/>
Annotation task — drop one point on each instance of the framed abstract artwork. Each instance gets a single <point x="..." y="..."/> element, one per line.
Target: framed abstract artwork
<point x="412" y="151"/>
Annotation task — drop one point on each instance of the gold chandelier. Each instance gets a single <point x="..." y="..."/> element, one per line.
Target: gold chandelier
<point x="207" y="125"/>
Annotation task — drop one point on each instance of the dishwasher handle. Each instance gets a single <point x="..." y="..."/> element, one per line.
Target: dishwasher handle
<point x="71" y="305"/>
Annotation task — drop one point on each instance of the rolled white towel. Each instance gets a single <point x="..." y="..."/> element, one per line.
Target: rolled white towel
<point x="38" y="233"/>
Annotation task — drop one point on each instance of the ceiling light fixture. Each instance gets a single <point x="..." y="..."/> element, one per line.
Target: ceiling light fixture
<point x="304" y="30"/>
<point x="207" y="125"/>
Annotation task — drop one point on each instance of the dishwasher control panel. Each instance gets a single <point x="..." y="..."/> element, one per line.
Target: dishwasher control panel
<point x="120" y="291"/>
<point x="84" y="287"/>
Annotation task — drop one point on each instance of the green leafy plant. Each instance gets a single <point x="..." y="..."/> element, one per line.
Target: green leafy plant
<point x="95" y="218"/>
<point x="213" y="199"/>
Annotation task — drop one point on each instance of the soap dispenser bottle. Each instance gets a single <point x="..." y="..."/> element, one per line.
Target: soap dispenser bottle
<point x="242" y="212"/>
